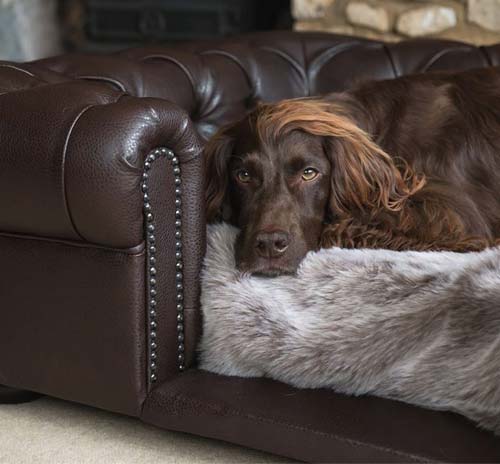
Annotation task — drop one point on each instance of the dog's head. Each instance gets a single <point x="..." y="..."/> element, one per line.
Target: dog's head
<point x="286" y="170"/>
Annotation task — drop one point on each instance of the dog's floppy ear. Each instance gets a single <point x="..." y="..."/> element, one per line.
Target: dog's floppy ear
<point x="217" y="154"/>
<point x="363" y="176"/>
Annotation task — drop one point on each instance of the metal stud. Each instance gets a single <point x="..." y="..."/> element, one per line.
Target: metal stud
<point x="152" y="260"/>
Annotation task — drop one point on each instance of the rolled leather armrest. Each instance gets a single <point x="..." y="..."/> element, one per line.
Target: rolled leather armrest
<point x="73" y="171"/>
<point x="72" y="159"/>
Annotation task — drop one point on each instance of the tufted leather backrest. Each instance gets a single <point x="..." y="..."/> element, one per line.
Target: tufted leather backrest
<point x="218" y="81"/>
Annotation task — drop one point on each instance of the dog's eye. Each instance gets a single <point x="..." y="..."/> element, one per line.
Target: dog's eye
<point x="309" y="174"/>
<point x="243" y="176"/>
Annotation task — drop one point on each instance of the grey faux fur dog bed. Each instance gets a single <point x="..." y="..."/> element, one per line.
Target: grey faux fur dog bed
<point x="421" y="327"/>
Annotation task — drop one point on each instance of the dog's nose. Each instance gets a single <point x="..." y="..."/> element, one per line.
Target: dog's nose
<point x="272" y="244"/>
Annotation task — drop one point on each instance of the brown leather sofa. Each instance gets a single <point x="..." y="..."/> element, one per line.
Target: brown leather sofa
<point x="102" y="236"/>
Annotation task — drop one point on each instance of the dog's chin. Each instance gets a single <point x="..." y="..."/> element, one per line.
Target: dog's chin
<point x="267" y="268"/>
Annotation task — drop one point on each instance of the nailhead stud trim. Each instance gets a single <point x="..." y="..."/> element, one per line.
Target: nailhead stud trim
<point x="152" y="271"/>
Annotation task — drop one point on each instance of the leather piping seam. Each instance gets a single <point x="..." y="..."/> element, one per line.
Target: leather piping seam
<point x="237" y="62"/>
<point x="305" y="63"/>
<point x="486" y="55"/>
<point x="438" y="55"/>
<point x="180" y="65"/>
<point x="10" y="66"/>
<point x="106" y="80"/>
<point x="395" y="72"/>
<point x="63" y="161"/>
<point x="134" y="250"/>
<point x="274" y="421"/>
<point x="63" y="171"/>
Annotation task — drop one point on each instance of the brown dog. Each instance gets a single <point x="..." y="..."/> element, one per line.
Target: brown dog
<point x="409" y="163"/>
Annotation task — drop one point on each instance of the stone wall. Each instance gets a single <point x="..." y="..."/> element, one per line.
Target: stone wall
<point x="473" y="21"/>
<point x="28" y="29"/>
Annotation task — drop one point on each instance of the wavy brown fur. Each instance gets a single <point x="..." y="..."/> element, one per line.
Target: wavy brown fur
<point x="217" y="152"/>
<point x="366" y="177"/>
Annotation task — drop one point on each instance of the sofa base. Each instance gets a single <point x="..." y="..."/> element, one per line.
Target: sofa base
<point x="314" y="425"/>
<point x="68" y="307"/>
<point x="14" y="396"/>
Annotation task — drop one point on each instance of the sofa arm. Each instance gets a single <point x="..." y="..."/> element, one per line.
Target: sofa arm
<point x="73" y="156"/>
<point x="74" y="168"/>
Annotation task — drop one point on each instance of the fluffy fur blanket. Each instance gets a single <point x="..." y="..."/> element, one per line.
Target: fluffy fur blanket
<point x="421" y="327"/>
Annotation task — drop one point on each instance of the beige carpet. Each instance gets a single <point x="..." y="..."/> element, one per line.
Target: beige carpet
<point x="49" y="431"/>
